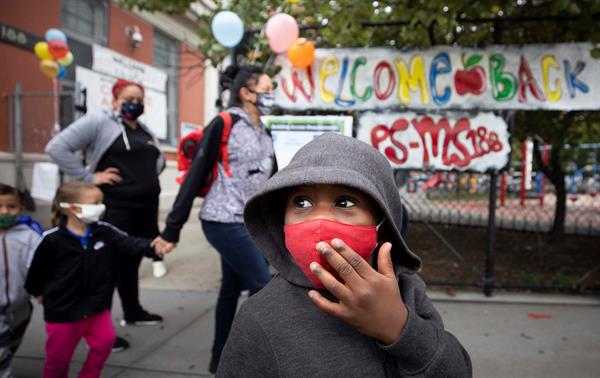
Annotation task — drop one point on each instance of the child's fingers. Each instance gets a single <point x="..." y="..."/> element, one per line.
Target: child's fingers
<point x="325" y="305"/>
<point x="330" y="283"/>
<point x="155" y="242"/>
<point x="343" y="267"/>
<point x="358" y="264"/>
<point x="384" y="260"/>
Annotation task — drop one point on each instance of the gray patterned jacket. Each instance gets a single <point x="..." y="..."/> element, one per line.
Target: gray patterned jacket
<point x="251" y="163"/>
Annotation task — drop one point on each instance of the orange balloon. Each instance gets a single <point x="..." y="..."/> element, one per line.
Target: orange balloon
<point x="49" y="68"/>
<point x="301" y="53"/>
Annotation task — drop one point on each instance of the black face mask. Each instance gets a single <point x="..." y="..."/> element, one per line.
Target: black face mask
<point x="131" y="111"/>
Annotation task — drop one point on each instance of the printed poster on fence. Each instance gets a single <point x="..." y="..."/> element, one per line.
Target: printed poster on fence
<point x="292" y="132"/>
<point x="553" y="77"/>
<point x="453" y="141"/>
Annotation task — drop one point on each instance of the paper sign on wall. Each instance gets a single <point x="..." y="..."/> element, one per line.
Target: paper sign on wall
<point x="290" y="133"/>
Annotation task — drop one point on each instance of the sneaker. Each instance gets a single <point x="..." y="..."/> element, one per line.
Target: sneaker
<point x="144" y="319"/>
<point x="120" y="345"/>
<point x="159" y="269"/>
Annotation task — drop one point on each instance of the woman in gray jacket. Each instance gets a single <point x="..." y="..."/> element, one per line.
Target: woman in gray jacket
<point x="122" y="158"/>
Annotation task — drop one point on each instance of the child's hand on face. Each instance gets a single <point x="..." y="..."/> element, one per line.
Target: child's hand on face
<point x="369" y="300"/>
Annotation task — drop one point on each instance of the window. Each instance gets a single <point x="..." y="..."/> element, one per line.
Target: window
<point x="85" y="20"/>
<point x="166" y="58"/>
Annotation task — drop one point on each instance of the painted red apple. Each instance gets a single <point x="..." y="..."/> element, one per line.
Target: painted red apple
<point x="471" y="79"/>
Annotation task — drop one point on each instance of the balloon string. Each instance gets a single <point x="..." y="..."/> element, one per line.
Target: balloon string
<point x="55" y="97"/>
<point x="256" y="48"/>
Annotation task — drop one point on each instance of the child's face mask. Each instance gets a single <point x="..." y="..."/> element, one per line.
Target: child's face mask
<point x="10" y="209"/>
<point x="301" y="240"/>
<point x="90" y="213"/>
<point x="8" y="220"/>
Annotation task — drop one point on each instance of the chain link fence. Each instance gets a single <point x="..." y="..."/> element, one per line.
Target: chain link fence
<point x="463" y="199"/>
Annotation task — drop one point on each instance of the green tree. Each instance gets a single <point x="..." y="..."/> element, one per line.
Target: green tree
<point x="422" y="23"/>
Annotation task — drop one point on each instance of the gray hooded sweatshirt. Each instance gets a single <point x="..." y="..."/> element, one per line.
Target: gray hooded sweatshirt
<point x="17" y="247"/>
<point x="279" y="332"/>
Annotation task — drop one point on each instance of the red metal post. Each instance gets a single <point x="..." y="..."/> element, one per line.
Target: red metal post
<point x="545" y="157"/>
<point x="523" y="171"/>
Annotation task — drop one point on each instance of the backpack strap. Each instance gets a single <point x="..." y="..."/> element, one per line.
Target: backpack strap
<point x="224" y="151"/>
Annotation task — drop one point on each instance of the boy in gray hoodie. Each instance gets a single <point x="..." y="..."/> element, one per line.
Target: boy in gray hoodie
<point x="347" y="301"/>
<point x="19" y="236"/>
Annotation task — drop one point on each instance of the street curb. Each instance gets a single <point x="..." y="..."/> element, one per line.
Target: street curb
<point x="516" y="298"/>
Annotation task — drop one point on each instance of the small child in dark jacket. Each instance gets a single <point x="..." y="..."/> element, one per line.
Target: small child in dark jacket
<point x="73" y="275"/>
<point x="347" y="301"/>
<point x="19" y="236"/>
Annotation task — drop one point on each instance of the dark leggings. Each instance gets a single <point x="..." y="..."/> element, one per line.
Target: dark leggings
<point x="243" y="268"/>
<point x="141" y="222"/>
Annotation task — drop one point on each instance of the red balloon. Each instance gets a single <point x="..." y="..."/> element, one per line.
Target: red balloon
<point x="58" y="48"/>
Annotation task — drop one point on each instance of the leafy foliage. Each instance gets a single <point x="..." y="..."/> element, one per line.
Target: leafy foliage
<point x="421" y="23"/>
<point x="401" y="24"/>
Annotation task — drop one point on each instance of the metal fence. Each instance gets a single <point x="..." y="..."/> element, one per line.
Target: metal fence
<point x="498" y="238"/>
<point x="30" y="121"/>
<point x="463" y="199"/>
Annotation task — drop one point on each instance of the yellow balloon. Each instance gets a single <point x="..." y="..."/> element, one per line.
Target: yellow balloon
<point x="49" y="68"/>
<point x="41" y="50"/>
<point x="66" y="60"/>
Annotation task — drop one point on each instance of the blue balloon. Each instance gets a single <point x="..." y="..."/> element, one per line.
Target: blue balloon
<point x="228" y="28"/>
<point x="61" y="72"/>
<point x="52" y="34"/>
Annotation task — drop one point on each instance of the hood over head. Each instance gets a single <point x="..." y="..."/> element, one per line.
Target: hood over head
<point x="329" y="159"/>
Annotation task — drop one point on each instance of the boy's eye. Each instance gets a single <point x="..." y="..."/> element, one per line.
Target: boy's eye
<point x="345" y="202"/>
<point x="302" y="202"/>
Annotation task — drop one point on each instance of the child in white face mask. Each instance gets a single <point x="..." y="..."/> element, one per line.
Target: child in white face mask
<point x="73" y="273"/>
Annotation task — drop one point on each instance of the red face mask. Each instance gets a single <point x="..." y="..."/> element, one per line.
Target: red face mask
<point x="301" y="240"/>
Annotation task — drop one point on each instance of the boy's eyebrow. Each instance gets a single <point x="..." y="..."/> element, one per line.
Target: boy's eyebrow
<point x="301" y="188"/>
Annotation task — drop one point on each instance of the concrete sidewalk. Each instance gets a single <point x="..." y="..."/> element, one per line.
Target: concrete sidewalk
<point x="508" y="335"/>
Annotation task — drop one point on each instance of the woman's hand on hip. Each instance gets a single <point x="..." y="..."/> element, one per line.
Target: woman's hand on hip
<point x="108" y="176"/>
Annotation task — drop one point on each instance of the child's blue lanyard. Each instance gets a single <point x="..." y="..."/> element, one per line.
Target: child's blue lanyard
<point x="85" y="239"/>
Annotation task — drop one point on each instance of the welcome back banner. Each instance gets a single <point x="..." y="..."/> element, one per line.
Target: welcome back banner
<point x="553" y="77"/>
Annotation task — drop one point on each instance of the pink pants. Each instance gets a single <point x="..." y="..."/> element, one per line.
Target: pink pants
<point x="63" y="338"/>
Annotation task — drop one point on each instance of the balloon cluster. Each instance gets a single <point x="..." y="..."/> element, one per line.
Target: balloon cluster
<point x="54" y="54"/>
<point x="281" y="30"/>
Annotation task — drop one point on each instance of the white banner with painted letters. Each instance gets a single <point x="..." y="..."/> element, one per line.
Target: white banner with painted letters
<point x="553" y="77"/>
<point x="453" y="141"/>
